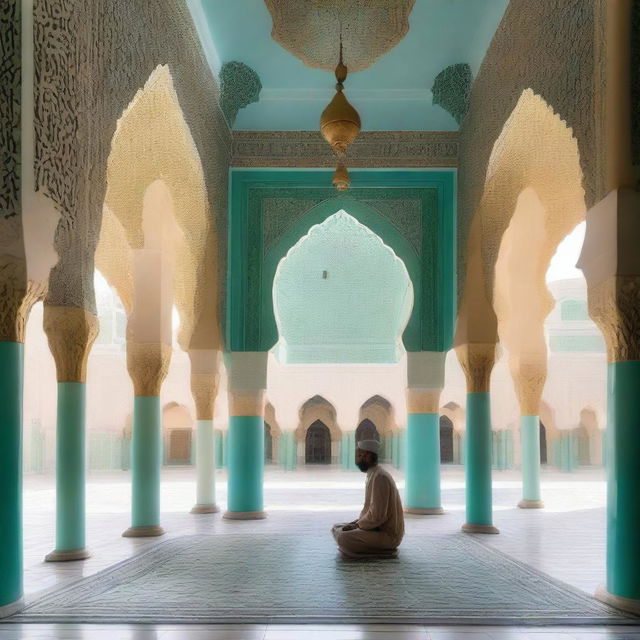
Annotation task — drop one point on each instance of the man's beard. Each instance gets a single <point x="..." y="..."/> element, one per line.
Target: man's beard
<point x="363" y="466"/>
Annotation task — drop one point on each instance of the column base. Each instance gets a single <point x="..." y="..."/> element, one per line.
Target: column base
<point x="205" y="508"/>
<point x="143" y="532"/>
<point x="9" y="609"/>
<point x="632" y="605"/>
<point x="67" y="555"/>
<point x="530" y="504"/>
<point x="479" y="528"/>
<point x="434" y="511"/>
<point x="244" y="515"/>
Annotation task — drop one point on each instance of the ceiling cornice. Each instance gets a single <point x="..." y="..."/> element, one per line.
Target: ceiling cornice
<point x="371" y="149"/>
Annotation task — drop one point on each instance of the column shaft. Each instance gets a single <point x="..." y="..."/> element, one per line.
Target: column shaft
<point x="288" y="454"/>
<point x="623" y="473"/>
<point x="478" y="461"/>
<point x="205" y="468"/>
<point x="530" y="452"/>
<point x="11" y="371"/>
<point x="422" y="492"/>
<point x="146" y="461"/>
<point x="70" y="472"/>
<point x="246" y="467"/>
<point x="348" y="450"/>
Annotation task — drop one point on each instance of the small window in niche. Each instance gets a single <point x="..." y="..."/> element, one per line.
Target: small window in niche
<point x="325" y="275"/>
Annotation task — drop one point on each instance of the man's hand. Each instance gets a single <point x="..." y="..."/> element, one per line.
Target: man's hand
<point x="350" y="527"/>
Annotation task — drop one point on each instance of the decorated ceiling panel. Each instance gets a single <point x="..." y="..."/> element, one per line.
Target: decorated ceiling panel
<point x="393" y="89"/>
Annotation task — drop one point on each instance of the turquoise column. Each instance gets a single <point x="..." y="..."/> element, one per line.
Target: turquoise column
<point x="288" y="451"/>
<point x="530" y="453"/>
<point x="246" y="467"/>
<point x="478" y="445"/>
<point x="348" y="450"/>
<point x="623" y="488"/>
<point x="422" y="489"/>
<point x="205" y="469"/>
<point x="70" y="473"/>
<point x="146" y="461"/>
<point x="11" y="365"/>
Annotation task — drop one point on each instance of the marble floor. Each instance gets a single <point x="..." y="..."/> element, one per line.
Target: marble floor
<point x="565" y="540"/>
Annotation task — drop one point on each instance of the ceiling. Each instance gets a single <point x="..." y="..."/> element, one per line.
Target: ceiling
<point x="393" y="94"/>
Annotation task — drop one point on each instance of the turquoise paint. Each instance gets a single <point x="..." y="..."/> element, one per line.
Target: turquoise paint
<point x="623" y="475"/>
<point x="205" y="463"/>
<point x="288" y="453"/>
<point x="422" y="489"/>
<point x="219" y="449"/>
<point x="348" y="450"/>
<point x="478" y="459"/>
<point x="146" y="460"/>
<point x="402" y="450"/>
<point x="530" y="437"/>
<point x="441" y="33"/>
<point x="246" y="463"/>
<point x="251" y="270"/>
<point x="70" y="466"/>
<point x="11" y="376"/>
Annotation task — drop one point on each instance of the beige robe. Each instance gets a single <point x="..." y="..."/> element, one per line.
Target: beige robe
<point x="381" y="522"/>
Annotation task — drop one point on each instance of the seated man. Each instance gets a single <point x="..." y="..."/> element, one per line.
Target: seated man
<point x="380" y="527"/>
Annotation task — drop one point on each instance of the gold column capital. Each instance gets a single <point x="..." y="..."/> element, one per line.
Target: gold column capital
<point x="477" y="360"/>
<point x="71" y="332"/>
<point x="204" y="389"/>
<point x="16" y="300"/>
<point x="528" y="380"/>
<point x="148" y="364"/>
<point x="423" y="400"/>
<point x="246" y="402"/>
<point x="614" y="305"/>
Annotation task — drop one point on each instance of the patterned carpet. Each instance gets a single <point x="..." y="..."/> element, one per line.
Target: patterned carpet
<point x="268" y="578"/>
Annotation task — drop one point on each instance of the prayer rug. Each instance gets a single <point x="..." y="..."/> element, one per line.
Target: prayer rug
<point x="295" y="578"/>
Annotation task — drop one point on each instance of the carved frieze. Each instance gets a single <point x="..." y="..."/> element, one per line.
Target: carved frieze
<point x="148" y="364"/>
<point x="383" y="149"/>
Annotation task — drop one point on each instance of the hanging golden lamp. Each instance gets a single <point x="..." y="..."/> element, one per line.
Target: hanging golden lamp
<point x="340" y="124"/>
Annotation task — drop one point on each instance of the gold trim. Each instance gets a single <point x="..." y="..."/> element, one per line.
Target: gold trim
<point x="477" y="360"/>
<point x="148" y="364"/>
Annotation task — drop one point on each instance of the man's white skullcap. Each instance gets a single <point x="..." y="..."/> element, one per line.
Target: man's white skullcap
<point x="369" y="445"/>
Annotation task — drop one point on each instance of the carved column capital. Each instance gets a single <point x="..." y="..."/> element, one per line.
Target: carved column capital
<point x="423" y="400"/>
<point x="528" y="381"/>
<point x="246" y="402"/>
<point x="16" y="300"/>
<point x="71" y="332"/>
<point x="477" y="360"/>
<point x="204" y="388"/>
<point x="148" y="364"/>
<point x="614" y="305"/>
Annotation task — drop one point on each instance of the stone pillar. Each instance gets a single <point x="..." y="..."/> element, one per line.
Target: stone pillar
<point x="247" y="383"/>
<point x="148" y="364"/>
<point x="610" y="261"/>
<point x="287" y="450"/>
<point x="348" y="450"/>
<point x="529" y="378"/>
<point x="71" y="333"/>
<point x="15" y="305"/>
<point x="204" y="387"/>
<point x="425" y="376"/>
<point x="477" y="360"/>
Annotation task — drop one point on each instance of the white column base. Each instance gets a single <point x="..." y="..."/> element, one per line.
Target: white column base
<point x="632" y="605"/>
<point x="479" y="528"/>
<point x="205" y="508"/>
<point x="9" y="609"/>
<point x="143" y="532"/>
<point x="67" y="556"/>
<point x="530" y="504"/>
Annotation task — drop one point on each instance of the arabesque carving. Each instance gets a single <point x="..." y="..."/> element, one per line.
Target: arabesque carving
<point x="423" y="400"/>
<point x="614" y="306"/>
<point x="528" y="381"/>
<point x="204" y="389"/>
<point x="71" y="333"/>
<point x="312" y="30"/>
<point x="148" y="364"/>
<point x="17" y="297"/>
<point x="477" y="360"/>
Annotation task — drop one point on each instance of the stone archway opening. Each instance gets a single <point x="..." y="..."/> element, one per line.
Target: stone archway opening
<point x="367" y="430"/>
<point x="446" y="440"/>
<point x="543" y="443"/>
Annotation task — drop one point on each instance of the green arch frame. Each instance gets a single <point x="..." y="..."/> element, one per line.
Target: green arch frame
<point x="370" y="218"/>
<point x="378" y="198"/>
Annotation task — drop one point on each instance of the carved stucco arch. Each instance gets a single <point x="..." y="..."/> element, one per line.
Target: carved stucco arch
<point x="152" y="143"/>
<point x="381" y="412"/>
<point x="176" y="416"/>
<point x="270" y="419"/>
<point x="456" y="414"/>
<point x="317" y="408"/>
